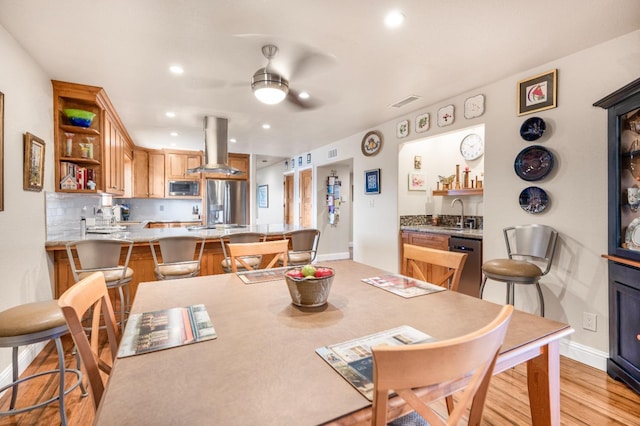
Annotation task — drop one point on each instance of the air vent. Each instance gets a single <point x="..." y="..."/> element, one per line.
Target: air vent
<point x="403" y="102"/>
<point x="333" y="152"/>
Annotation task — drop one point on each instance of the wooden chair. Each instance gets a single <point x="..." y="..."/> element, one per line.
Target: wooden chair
<point x="419" y="262"/>
<point x="91" y="293"/>
<point x="276" y="248"/>
<point x="423" y="373"/>
<point x="237" y="238"/>
<point x="179" y="256"/>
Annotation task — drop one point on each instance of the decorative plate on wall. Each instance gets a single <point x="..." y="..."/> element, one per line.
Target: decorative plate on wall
<point x="533" y="163"/>
<point x="371" y="143"/>
<point x="474" y="106"/>
<point x="445" y="116"/>
<point x="532" y="129"/>
<point x="533" y="200"/>
<point x="422" y="123"/>
<point x="402" y="130"/>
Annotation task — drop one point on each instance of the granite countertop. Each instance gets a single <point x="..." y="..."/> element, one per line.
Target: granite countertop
<point x="139" y="234"/>
<point x="475" y="234"/>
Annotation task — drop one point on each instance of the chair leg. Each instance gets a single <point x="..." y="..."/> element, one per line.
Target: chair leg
<point x="63" y="414"/>
<point x="14" y="389"/>
<point x="510" y="294"/>
<point x="122" y="308"/>
<point x="484" y="281"/>
<point x="541" y="299"/>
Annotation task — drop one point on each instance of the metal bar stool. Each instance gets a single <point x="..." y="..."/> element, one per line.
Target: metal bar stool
<point x="33" y="323"/>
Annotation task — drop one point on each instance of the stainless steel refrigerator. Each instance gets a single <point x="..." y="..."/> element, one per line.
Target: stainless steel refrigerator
<point x="226" y="202"/>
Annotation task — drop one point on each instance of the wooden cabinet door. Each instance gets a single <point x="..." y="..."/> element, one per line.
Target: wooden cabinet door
<point x="156" y="175"/>
<point x="306" y="198"/>
<point x="175" y="166"/>
<point x="237" y="161"/>
<point x="140" y="173"/>
<point x="114" y="157"/>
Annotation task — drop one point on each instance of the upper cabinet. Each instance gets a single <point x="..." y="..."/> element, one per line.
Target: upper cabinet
<point x="237" y="161"/>
<point x="148" y="173"/>
<point x="89" y="154"/>
<point x="176" y="164"/>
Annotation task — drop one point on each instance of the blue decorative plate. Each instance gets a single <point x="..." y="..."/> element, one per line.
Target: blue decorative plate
<point x="533" y="200"/>
<point x="532" y="129"/>
<point x="533" y="163"/>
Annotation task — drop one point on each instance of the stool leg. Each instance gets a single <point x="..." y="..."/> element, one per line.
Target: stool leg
<point x="63" y="414"/>
<point x="122" y="308"/>
<point x="541" y="299"/>
<point x="82" y="388"/>
<point x="14" y="389"/>
<point x="510" y="295"/>
<point x="484" y="281"/>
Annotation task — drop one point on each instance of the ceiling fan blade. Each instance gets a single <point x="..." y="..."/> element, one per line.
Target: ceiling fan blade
<point x="311" y="62"/>
<point x="293" y="99"/>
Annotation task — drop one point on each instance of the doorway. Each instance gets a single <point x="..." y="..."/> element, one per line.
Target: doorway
<point x="306" y="198"/>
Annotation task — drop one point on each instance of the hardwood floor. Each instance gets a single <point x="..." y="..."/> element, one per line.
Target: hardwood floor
<point x="588" y="396"/>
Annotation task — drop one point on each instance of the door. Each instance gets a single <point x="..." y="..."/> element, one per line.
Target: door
<point x="289" y="202"/>
<point x="306" y="198"/>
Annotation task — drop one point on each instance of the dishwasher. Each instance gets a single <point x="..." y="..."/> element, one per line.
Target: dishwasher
<point x="472" y="271"/>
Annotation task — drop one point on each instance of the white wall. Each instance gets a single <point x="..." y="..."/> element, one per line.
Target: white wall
<point x="271" y="176"/>
<point x="28" y="105"/>
<point x="334" y="239"/>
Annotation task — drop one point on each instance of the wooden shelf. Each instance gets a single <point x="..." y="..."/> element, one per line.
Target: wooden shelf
<point x="76" y="129"/>
<point x="468" y="191"/>
<point x="80" y="160"/>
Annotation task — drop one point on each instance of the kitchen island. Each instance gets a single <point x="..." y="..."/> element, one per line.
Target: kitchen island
<point x="141" y="260"/>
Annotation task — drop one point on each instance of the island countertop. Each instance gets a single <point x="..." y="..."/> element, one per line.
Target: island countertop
<point x="475" y="234"/>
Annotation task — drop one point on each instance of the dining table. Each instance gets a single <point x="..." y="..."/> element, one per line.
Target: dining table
<point x="263" y="367"/>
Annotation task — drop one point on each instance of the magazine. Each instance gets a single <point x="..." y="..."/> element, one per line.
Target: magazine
<point x="353" y="359"/>
<point x="403" y="286"/>
<point x="263" y="275"/>
<point x="167" y="328"/>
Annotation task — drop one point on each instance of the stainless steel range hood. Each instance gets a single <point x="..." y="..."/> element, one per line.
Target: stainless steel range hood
<point x="216" y="155"/>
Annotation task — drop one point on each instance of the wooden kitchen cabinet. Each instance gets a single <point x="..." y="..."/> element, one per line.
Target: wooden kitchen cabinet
<point x="423" y="239"/>
<point x="148" y="173"/>
<point x="237" y="161"/>
<point x="178" y="162"/>
<point x="156" y="174"/>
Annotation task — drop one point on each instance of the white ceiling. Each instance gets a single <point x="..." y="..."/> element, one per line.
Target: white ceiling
<point x="357" y="69"/>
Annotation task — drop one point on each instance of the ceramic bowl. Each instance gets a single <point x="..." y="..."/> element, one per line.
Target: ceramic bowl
<point x="310" y="292"/>
<point x="79" y="117"/>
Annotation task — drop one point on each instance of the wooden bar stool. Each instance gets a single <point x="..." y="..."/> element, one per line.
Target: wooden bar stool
<point x="33" y="323"/>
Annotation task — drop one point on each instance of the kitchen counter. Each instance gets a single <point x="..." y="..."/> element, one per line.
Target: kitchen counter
<point x="475" y="234"/>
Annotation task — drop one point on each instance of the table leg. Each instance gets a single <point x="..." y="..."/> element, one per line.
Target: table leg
<point x="543" y="380"/>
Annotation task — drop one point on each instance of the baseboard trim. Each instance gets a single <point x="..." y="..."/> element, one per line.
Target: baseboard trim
<point x="26" y="357"/>
<point x="584" y="354"/>
<point x="333" y="256"/>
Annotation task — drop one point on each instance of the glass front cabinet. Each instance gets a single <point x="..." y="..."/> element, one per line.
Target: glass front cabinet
<point x="623" y="134"/>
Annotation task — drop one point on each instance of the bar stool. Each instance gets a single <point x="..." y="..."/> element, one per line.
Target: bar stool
<point x="33" y="323"/>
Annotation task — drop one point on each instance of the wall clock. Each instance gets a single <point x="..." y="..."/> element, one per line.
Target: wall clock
<point x="371" y="143"/>
<point x="472" y="147"/>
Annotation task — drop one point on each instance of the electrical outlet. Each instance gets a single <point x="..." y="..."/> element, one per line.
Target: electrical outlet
<point x="161" y="207"/>
<point x="589" y="321"/>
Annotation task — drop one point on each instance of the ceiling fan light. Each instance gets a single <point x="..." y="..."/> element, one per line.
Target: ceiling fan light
<point x="270" y="88"/>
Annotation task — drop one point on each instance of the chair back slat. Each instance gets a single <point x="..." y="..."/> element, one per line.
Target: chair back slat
<point x="417" y="259"/>
<point x="274" y="248"/>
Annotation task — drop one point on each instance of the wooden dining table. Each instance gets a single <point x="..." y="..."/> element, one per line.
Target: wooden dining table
<point x="263" y="369"/>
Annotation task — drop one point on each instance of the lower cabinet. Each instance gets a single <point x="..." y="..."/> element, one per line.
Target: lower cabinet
<point x="624" y="324"/>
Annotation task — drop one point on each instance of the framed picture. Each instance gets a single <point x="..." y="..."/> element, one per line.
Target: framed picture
<point x="372" y="181"/>
<point x="309" y="158"/>
<point x="537" y="93"/>
<point x="263" y="196"/>
<point x="402" y="129"/>
<point x="300" y="161"/>
<point x="417" y="162"/>
<point x="417" y="182"/>
<point x="474" y="106"/>
<point x="445" y="116"/>
<point x="293" y="163"/>
<point x="422" y="123"/>
<point x="1" y="151"/>
<point x="33" y="163"/>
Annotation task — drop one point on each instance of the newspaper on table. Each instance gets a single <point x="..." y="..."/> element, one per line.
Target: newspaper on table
<point x="403" y="286"/>
<point x="263" y="275"/>
<point x="353" y="359"/>
<point x="166" y="328"/>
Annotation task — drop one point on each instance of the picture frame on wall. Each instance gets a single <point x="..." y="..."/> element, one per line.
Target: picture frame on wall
<point x="446" y="116"/>
<point x="33" y="173"/>
<point x="417" y="182"/>
<point x="263" y="196"/>
<point x="309" y="158"/>
<point x="372" y="181"/>
<point x="422" y="123"/>
<point x="538" y="93"/>
<point x="1" y="151"/>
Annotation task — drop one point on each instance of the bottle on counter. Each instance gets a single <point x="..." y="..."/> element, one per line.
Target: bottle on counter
<point x="83" y="227"/>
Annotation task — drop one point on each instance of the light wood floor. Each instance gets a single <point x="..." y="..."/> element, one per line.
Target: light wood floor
<point x="588" y="397"/>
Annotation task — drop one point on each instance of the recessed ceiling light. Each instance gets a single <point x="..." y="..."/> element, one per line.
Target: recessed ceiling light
<point x="173" y="144"/>
<point x="233" y="140"/>
<point x="174" y="133"/>
<point x="394" y="19"/>
<point x="266" y="126"/>
<point x="176" y="69"/>
<point x="304" y="95"/>
<point x="170" y="114"/>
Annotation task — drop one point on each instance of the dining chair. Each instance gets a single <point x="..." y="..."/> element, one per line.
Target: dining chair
<point x="440" y="267"/>
<point x="422" y="373"/>
<point x="178" y="258"/>
<point x="530" y="251"/>
<point x="240" y="238"/>
<point x="304" y="246"/>
<point x="104" y="256"/>
<point x="91" y="293"/>
<point x="276" y="248"/>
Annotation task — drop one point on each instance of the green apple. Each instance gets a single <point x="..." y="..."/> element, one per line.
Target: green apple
<point x="308" y="270"/>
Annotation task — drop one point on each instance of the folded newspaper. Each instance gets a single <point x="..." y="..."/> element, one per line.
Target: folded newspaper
<point x="403" y="286"/>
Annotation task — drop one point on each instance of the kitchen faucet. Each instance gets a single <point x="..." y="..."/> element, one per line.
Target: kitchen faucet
<point x="461" y="223"/>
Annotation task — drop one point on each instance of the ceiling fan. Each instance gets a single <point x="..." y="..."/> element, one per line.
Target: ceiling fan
<point x="271" y="87"/>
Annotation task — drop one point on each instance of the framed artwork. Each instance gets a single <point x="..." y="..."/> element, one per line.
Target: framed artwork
<point x="293" y="163"/>
<point x="445" y="116"/>
<point x="417" y="162"/>
<point x="309" y="158"/>
<point x="417" y="182"/>
<point x="402" y="129"/>
<point x="33" y="163"/>
<point x="286" y="165"/>
<point x="300" y="161"/>
<point x="1" y="151"/>
<point x="474" y="106"/>
<point x="263" y="196"/>
<point x="372" y="181"/>
<point x="538" y="93"/>
<point x="422" y="123"/>
<point x="371" y="143"/>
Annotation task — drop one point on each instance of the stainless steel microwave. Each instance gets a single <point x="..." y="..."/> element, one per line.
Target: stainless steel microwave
<point x="181" y="188"/>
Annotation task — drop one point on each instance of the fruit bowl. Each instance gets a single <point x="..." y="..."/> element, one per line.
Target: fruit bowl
<point x="79" y="117"/>
<point x="311" y="290"/>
